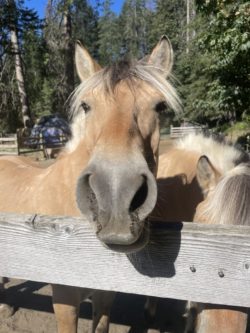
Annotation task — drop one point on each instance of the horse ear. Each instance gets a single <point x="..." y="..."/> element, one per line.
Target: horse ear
<point x="162" y="55"/>
<point x="207" y="176"/>
<point x="86" y="66"/>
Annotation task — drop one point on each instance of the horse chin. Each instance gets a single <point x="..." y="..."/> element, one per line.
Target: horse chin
<point x="137" y="246"/>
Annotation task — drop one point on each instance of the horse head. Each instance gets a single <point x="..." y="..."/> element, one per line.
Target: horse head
<point x="226" y="192"/>
<point x="119" y="111"/>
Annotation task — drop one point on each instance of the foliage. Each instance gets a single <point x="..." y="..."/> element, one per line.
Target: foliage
<point x="217" y="87"/>
<point x="9" y="101"/>
<point x="168" y="18"/>
<point x="109" y="36"/>
<point x="85" y="25"/>
<point x="212" y="55"/>
<point x="133" y="24"/>
<point x="34" y="58"/>
<point x="13" y="16"/>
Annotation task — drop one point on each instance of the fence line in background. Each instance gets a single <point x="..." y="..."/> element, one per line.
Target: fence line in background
<point x="18" y="144"/>
<point x="8" y="144"/>
<point x="177" y="132"/>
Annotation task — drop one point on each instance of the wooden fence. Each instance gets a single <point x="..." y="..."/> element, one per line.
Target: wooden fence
<point x="19" y="144"/>
<point x="189" y="261"/>
<point x="8" y="144"/>
<point x="177" y="132"/>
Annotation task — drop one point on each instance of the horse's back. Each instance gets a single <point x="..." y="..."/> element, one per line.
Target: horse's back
<point x="177" y="161"/>
<point x="18" y="168"/>
<point x="178" y="190"/>
<point x="20" y="160"/>
<point x="19" y="178"/>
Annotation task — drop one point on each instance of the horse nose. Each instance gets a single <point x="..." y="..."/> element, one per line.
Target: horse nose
<point x="118" y="201"/>
<point x="118" y="195"/>
<point x="99" y="188"/>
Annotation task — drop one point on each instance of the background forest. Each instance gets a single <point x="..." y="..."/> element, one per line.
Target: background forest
<point x="211" y="42"/>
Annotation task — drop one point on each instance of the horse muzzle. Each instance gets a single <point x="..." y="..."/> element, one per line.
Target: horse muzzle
<point x="118" y="199"/>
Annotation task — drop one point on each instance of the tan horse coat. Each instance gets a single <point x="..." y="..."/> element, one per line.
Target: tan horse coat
<point x="114" y="150"/>
<point x="35" y="187"/>
<point x="202" y="180"/>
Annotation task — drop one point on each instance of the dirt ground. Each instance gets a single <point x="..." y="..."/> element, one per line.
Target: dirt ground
<point x="34" y="313"/>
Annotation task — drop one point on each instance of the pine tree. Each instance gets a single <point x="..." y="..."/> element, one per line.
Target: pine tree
<point x="85" y="25"/>
<point x="169" y="18"/>
<point x="15" y="19"/>
<point x="67" y="50"/>
<point x="109" y="35"/>
<point x="66" y="22"/>
<point x="59" y="66"/>
<point x="134" y="26"/>
<point x="34" y="59"/>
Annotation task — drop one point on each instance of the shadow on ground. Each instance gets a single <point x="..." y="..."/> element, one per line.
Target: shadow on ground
<point x="34" y="312"/>
<point x="127" y="309"/>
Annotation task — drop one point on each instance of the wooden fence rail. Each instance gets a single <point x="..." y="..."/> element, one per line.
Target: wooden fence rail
<point x="178" y="132"/>
<point x="18" y="144"/>
<point x="8" y="145"/>
<point x="191" y="261"/>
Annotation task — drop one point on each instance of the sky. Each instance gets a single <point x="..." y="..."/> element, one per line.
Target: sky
<point x="39" y="5"/>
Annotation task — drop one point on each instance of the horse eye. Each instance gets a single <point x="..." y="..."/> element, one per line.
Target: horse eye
<point x="85" y="107"/>
<point x="161" y="107"/>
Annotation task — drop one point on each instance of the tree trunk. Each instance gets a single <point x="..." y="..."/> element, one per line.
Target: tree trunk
<point x="68" y="53"/>
<point x="188" y="22"/>
<point x="27" y="121"/>
<point x="191" y="13"/>
<point x="49" y="9"/>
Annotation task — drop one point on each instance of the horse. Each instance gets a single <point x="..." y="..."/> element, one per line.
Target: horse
<point x="107" y="171"/>
<point x="205" y="180"/>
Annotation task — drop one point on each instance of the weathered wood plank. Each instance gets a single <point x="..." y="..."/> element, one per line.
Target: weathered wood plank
<point x="8" y="146"/>
<point x="10" y="138"/>
<point x="3" y="153"/>
<point x="184" y="260"/>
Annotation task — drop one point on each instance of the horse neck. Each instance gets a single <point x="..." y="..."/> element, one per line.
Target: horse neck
<point x="70" y="165"/>
<point x="178" y="189"/>
<point x="61" y="178"/>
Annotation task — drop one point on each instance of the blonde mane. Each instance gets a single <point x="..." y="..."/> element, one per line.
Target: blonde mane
<point x="229" y="201"/>
<point x="221" y="154"/>
<point x="108" y="78"/>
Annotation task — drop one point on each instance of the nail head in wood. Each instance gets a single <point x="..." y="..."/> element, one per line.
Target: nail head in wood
<point x="192" y="269"/>
<point x="221" y="273"/>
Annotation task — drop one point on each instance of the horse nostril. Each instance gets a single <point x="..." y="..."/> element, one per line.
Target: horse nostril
<point x="98" y="228"/>
<point x="132" y="228"/>
<point x="140" y="196"/>
<point x="89" y="194"/>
